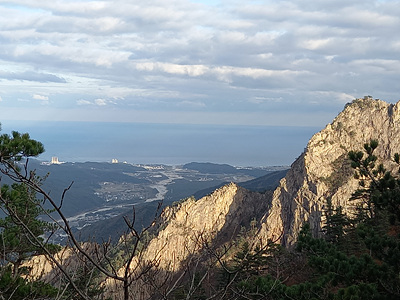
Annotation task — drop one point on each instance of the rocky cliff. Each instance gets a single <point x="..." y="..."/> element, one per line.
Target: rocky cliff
<point x="216" y="218"/>
<point x="185" y="229"/>
<point x="323" y="170"/>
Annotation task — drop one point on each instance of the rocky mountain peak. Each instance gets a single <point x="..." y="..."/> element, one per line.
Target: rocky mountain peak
<point x="323" y="170"/>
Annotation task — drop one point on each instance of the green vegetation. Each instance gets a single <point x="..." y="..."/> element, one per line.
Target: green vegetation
<point x="365" y="102"/>
<point x="21" y="230"/>
<point x="341" y="173"/>
<point x="17" y="287"/>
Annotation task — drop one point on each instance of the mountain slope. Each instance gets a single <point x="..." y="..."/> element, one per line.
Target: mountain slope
<point x="264" y="183"/>
<point x="323" y="170"/>
<point x="114" y="227"/>
<point x="217" y="218"/>
<point x="186" y="229"/>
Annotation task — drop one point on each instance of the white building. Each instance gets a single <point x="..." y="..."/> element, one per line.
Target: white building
<point x="55" y="161"/>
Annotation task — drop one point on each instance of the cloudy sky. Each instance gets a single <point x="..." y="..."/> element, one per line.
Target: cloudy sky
<point x="192" y="61"/>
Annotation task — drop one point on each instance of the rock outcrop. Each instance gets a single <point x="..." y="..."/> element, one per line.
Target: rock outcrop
<point x="217" y="217"/>
<point x="186" y="227"/>
<point x="323" y="170"/>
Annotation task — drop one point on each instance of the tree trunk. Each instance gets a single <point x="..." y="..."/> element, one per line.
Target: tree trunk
<point x="126" y="289"/>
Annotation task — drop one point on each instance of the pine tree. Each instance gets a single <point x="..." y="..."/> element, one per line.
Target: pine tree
<point x="336" y="223"/>
<point x="21" y="225"/>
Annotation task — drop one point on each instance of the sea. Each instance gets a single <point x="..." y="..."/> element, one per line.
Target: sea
<point x="170" y="144"/>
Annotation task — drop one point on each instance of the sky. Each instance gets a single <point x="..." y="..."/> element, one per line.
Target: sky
<point x="273" y="63"/>
<point x="193" y="62"/>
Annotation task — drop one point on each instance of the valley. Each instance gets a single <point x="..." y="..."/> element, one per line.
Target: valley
<point x="105" y="191"/>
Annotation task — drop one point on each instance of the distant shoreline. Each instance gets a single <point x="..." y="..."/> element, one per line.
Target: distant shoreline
<point x="169" y="144"/>
<point x="160" y="165"/>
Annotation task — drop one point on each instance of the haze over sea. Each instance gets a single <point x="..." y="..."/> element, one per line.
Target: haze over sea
<point x="170" y="144"/>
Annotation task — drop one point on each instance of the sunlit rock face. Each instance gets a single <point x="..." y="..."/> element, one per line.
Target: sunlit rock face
<point x="187" y="228"/>
<point x="323" y="170"/>
<point x="218" y="216"/>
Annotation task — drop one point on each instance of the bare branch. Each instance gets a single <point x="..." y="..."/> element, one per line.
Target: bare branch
<point x="63" y="194"/>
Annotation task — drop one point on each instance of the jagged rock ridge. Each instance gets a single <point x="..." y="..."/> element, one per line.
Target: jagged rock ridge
<point x="185" y="228"/>
<point x="216" y="217"/>
<point x="323" y="170"/>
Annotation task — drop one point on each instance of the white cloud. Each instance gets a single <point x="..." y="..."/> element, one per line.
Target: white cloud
<point x="190" y="70"/>
<point x="44" y="100"/>
<point x="235" y="56"/>
<point x="83" y="102"/>
<point x="260" y="100"/>
<point x="192" y="104"/>
<point x="40" y="97"/>
<point x="100" y="102"/>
